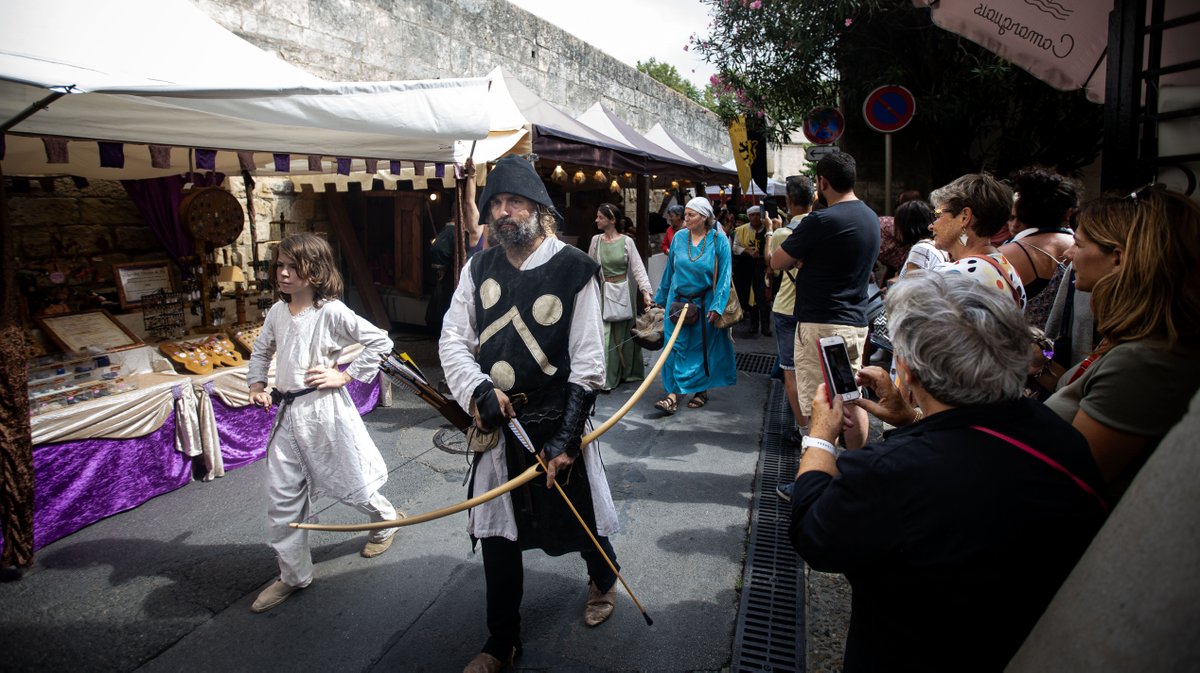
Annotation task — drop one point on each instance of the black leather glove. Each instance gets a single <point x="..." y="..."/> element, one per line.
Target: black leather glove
<point x="579" y="406"/>
<point x="487" y="406"/>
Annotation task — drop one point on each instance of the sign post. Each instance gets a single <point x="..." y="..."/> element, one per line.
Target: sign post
<point x="888" y="109"/>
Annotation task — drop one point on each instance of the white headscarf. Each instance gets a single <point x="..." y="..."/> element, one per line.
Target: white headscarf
<point x="702" y="206"/>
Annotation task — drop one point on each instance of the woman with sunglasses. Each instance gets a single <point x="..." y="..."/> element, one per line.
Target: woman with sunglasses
<point x="967" y="214"/>
<point x="1140" y="259"/>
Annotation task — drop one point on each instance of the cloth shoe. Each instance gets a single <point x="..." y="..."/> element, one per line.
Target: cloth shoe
<point x="784" y="490"/>
<point x="273" y="595"/>
<point x="486" y="663"/>
<point x="373" y="549"/>
<point x="599" y="606"/>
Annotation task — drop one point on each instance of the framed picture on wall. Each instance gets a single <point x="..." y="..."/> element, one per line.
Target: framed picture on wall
<point x="141" y="278"/>
<point x="87" y="329"/>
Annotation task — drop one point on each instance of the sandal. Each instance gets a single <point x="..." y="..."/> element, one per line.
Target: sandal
<point x="668" y="404"/>
<point x="698" y="400"/>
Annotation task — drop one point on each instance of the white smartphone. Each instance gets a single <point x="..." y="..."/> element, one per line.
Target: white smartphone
<point x="839" y="376"/>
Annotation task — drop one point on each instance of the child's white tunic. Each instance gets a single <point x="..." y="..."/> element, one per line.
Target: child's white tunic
<point x="340" y="459"/>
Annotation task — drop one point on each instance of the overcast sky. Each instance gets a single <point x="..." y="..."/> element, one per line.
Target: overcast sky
<point x="633" y="30"/>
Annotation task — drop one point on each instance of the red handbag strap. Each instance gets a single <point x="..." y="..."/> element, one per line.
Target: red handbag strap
<point x="1045" y="459"/>
<point x="1000" y="270"/>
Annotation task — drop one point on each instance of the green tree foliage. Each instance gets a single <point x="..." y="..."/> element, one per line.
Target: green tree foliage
<point x="975" y="111"/>
<point x="666" y="74"/>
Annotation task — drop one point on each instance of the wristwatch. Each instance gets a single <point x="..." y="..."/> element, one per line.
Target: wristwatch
<point x="813" y="442"/>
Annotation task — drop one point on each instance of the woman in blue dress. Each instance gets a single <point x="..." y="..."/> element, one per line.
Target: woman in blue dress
<point x="702" y="358"/>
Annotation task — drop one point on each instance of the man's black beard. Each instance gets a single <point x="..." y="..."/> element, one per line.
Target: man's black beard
<point x="520" y="234"/>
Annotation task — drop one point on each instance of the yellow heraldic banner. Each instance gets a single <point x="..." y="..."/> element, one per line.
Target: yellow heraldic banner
<point x="749" y="142"/>
<point x="744" y="152"/>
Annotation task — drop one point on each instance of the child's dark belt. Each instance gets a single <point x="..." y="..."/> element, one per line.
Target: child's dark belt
<point x="282" y="399"/>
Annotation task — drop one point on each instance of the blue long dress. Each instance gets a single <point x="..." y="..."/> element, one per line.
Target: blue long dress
<point x="689" y="273"/>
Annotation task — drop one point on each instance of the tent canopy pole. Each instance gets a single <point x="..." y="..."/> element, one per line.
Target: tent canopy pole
<point x="32" y="110"/>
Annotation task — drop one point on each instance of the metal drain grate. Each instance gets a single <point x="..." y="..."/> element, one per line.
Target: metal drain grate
<point x="770" y="625"/>
<point x="754" y="363"/>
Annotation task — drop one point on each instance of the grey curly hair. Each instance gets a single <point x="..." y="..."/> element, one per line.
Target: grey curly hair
<point x="966" y="344"/>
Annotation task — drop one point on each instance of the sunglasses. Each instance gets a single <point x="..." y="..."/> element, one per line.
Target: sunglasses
<point x="1141" y="194"/>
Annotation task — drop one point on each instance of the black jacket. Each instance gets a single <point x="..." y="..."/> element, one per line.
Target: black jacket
<point x="953" y="541"/>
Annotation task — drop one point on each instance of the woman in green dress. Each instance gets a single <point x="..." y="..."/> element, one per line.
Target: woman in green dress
<point x="620" y="267"/>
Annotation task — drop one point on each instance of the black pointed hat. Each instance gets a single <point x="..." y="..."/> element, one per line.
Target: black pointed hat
<point x="513" y="175"/>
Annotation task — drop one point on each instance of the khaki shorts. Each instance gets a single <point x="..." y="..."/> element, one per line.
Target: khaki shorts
<point x="809" y="374"/>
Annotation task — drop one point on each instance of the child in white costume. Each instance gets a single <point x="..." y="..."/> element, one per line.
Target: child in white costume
<point x="319" y="445"/>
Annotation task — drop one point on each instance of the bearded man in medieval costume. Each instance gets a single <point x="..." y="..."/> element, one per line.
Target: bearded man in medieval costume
<point x="522" y="339"/>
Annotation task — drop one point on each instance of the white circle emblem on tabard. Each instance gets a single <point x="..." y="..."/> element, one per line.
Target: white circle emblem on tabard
<point x="489" y="292"/>
<point x="503" y="375"/>
<point x="547" y="310"/>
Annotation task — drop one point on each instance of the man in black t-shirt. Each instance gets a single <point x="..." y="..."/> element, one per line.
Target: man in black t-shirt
<point x="833" y="250"/>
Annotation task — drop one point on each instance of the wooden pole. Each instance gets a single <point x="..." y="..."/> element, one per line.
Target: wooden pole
<point x="643" y="216"/>
<point x="361" y="275"/>
<point x="464" y="213"/>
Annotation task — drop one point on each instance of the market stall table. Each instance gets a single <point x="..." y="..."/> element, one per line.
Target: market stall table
<point x="108" y="455"/>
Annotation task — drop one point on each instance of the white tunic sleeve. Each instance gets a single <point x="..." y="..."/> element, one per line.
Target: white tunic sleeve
<point x="351" y="328"/>
<point x="587" y="339"/>
<point x="640" y="277"/>
<point x="264" y="347"/>
<point x="460" y="342"/>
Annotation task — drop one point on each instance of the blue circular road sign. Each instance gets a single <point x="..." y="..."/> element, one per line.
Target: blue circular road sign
<point x="889" y="108"/>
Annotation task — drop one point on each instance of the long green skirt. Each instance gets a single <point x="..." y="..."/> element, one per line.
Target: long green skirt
<point x="622" y="357"/>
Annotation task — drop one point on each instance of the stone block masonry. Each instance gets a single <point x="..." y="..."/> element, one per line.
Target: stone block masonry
<point x="357" y="40"/>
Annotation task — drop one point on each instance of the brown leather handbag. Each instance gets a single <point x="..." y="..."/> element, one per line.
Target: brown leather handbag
<point x="732" y="314"/>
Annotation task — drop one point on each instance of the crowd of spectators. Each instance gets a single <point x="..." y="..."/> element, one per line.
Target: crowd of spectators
<point x="1042" y="346"/>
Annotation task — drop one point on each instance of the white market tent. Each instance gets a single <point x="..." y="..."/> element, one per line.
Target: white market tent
<point x="665" y="139"/>
<point x="203" y="88"/>
<point x="606" y="122"/>
<point x="774" y="187"/>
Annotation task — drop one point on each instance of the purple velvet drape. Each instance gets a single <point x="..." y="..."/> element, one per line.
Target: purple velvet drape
<point x="157" y="199"/>
<point x="79" y="483"/>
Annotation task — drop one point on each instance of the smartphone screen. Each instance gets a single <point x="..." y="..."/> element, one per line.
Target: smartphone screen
<point x="841" y="376"/>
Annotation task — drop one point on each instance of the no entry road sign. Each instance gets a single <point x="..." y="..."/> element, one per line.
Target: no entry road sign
<point x="889" y="108"/>
<point x="824" y="125"/>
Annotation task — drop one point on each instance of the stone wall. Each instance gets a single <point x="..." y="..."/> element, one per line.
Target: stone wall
<point x="82" y="231"/>
<point x="361" y="40"/>
<point x="67" y="237"/>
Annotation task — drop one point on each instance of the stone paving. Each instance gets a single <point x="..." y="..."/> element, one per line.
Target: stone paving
<point x="168" y="585"/>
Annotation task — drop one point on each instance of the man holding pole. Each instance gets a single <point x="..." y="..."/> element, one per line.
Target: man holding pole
<point x="522" y="340"/>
